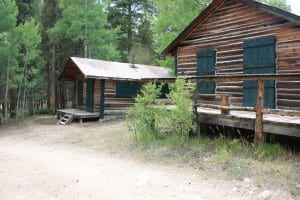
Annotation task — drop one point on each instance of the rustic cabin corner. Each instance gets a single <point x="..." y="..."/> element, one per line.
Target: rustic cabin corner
<point x="236" y="44"/>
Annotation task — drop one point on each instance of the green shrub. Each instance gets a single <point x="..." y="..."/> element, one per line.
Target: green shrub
<point x="150" y="119"/>
<point x="141" y="120"/>
<point x="182" y="116"/>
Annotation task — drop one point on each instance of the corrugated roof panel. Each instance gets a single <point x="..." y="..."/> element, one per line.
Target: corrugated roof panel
<point x="92" y="68"/>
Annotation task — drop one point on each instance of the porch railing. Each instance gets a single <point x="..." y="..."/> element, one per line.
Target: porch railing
<point x="260" y="111"/>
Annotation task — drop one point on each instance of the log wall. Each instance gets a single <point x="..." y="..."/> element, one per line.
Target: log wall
<point x="112" y="102"/>
<point x="225" y="30"/>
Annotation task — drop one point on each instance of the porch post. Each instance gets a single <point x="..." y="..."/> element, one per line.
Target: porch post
<point x="102" y="99"/>
<point x="74" y="94"/>
<point x="259" y="137"/>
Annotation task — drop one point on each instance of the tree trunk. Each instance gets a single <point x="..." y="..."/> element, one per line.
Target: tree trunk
<point x="12" y="107"/>
<point x="49" y="83"/>
<point x="6" y="91"/>
<point x="129" y="32"/>
<point x="52" y="75"/>
<point x="30" y="105"/>
<point x="25" y="89"/>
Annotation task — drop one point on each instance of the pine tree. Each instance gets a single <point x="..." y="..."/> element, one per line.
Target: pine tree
<point x="8" y="55"/>
<point x="84" y="23"/>
<point x="51" y="13"/>
<point x="133" y="17"/>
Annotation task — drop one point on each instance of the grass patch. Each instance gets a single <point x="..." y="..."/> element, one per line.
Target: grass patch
<point x="222" y="156"/>
<point x="270" y="152"/>
<point x="294" y="190"/>
<point x="201" y="165"/>
<point x="239" y="169"/>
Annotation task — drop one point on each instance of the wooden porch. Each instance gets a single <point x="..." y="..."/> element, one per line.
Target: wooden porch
<point x="271" y="123"/>
<point x="82" y="115"/>
<point x="77" y="114"/>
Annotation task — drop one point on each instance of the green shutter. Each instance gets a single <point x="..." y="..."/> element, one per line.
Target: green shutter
<point x="90" y="95"/>
<point x="164" y="91"/>
<point x="259" y="58"/>
<point x="206" y="63"/>
<point x="127" y="89"/>
<point x="102" y="99"/>
<point x="80" y="93"/>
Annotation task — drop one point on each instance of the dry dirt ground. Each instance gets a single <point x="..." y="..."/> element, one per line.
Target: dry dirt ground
<point x="40" y="160"/>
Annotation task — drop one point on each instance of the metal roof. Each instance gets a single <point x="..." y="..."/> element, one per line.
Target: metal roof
<point x="100" y="69"/>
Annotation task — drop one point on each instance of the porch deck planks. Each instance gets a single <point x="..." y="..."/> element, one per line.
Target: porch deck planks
<point x="82" y="114"/>
<point x="78" y="114"/>
<point x="272" y="123"/>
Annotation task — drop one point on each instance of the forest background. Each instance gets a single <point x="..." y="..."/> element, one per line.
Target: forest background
<point x="38" y="36"/>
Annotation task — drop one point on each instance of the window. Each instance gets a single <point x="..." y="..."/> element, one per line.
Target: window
<point x="259" y="58"/>
<point x="206" y="63"/>
<point x="127" y="89"/>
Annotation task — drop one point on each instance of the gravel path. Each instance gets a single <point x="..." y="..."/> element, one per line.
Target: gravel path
<point x="33" y="169"/>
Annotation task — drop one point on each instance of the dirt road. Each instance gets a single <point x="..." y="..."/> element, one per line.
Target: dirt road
<point x="36" y="164"/>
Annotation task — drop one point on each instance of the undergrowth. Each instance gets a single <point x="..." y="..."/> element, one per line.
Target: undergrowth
<point x="164" y="134"/>
<point x="267" y="165"/>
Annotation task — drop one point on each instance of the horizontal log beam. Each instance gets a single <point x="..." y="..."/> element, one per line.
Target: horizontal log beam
<point x="226" y="107"/>
<point x="234" y="77"/>
<point x="265" y="110"/>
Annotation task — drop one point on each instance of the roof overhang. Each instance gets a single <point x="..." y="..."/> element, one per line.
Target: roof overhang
<point x="84" y="68"/>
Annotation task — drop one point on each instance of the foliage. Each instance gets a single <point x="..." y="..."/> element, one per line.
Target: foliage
<point x="282" y="4"/>
<point x="30" y="83"/>
<point x="84" y="22"/>
<point x="142" y="118"/>
<point x="171" y="21"/>
<point x="133" y="18"/>
<point x="8" y="51"/>
<point x="151" y="118"/>
<point x="27" y="10"/>
<point x="182" y="116"/>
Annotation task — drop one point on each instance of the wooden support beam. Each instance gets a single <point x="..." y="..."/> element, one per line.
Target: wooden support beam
<point x="102" y="99"/>
<point x="225" y="102"/>
<point x="258" y="138"/>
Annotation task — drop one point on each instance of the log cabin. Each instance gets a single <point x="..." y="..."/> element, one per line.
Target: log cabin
<point x="237" y="37"/>
<point x="105" y="87"/>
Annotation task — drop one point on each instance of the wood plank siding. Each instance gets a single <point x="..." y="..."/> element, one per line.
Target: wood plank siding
<point x="112" y="101"/>
<point x="225" y="30"/>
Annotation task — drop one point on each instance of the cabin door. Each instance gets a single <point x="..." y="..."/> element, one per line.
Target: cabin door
<point x="90" y="95"/>
<point x="206" y="62"/>
<point x="259" y="58"/>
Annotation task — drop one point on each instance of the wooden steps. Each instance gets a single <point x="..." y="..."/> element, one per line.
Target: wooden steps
<point x="65" y="119"/>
